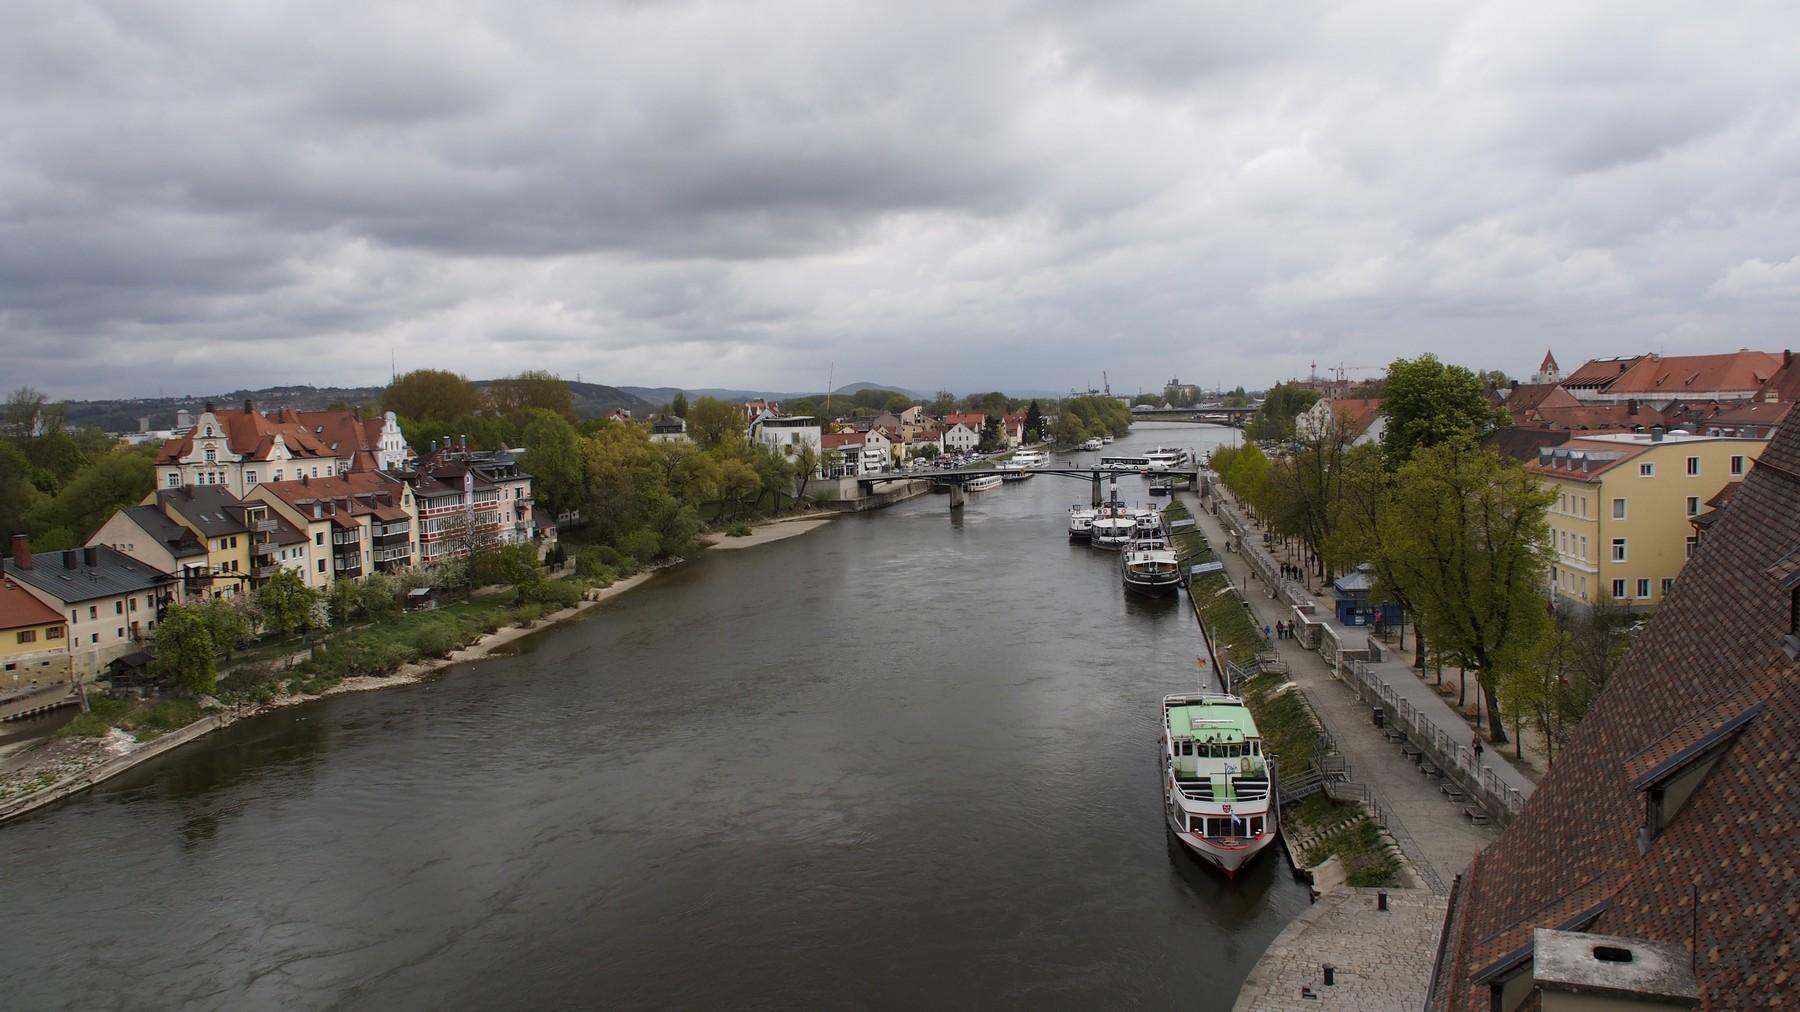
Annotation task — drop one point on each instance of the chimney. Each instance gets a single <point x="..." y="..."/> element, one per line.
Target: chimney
<point x="1631" y="406"/>
<point x="69" y="556"/>
<point x="306" y="479"/>
<point x="187" y="491"/>
<point x="1514" y="385"/>
<point x="209" y="407"/>
<point x="1656" y="433"/>
<point x="248" y="407"/>
<point x="90" y="556"/>
<point x="21" y="551"/>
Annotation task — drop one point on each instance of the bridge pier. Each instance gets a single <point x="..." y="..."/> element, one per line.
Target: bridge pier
<point x="1096" y="499"/>
<point x="956" y="495"/>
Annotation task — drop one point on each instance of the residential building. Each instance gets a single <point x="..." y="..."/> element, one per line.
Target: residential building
<point x="958" y="437"/>
<point x="237" y="449"/>
<point x="1659" y="380"/>
<point x="34" y="639"/>
<point x="147" y="534"/>
<point x="111" y="600"/>
<point x="238" y="536"/>
<point x="756" y="408"/>
<point x="498" y="472"/>
<point x="669" y="429"/>
<point x="1619" y="528"/>
<point x="458" y="513"/>
<point x="878" y="450"/>
<point x="931" y="437"/>
<point x="788" y="434"/>
<point x="1012" y="428"/>
<point x="349" y="524"/>
<point x="842" y="456"/>
<point x="618" y="415"/>
<point x="1655" y="865"/>
<point x="369" y="444"/>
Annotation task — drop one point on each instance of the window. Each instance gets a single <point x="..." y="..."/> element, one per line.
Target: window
<point x="174" y="479"/>
<point x="1563" y="503"/>
<point x="1693" y="466"/>
<point x="1618" y="549"/>
<point x="319" y="538"/>
<point x="118" y="607"/>
<point x="321" y="565"/>
<point x="1668" y="583"/>
<point x="28" y="636"/>
<point x="55" y="632"/>
<point x="93" y="638"/>
<point x="71" y="618"/>
<point x="120" y="631"/>
<point x="249" y="477"/>
<point x="1583" y="553"/>
<point x="1691" y="541"/>
<point x="1619" y="508"/>
<point x="234" y="541"/>
<point x="212" y="455"/>
<point x="1584" y="588"/>
<point x="134" y="604"/>
<point x="1646" y="470"/>
<point x="1643" y="589"/>
<point x="209" y="430"/>
<point x="1582" y="503"/>
<point x="1618" y="590"/>
<point x="1693" y="505"/>
<point x="93" y="611"/>
<point x="1737" y="465"/>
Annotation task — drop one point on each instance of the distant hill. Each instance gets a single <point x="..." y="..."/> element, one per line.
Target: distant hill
<point x="591" y="400"/>
<point x="663" y="395"/>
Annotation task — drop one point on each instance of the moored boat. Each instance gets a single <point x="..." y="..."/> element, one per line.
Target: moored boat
<point x="1093" y="444"/>
<point x="1148" y="566"/>
<point x="1081" y="523"/>
<point x="1219" y="787"/>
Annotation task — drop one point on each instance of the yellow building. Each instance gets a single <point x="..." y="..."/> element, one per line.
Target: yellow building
<point x="1620" y="528"/>
<point x="223" y="526"/>
<point x="34" y="640"/>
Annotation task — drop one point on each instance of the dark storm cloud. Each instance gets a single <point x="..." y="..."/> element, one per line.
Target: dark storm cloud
<point x="203" y="196"/>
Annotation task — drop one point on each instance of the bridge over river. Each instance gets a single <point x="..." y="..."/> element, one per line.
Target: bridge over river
<point x="958" y="477"/>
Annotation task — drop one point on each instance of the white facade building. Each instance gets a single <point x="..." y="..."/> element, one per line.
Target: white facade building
<point x="959" y="438"/>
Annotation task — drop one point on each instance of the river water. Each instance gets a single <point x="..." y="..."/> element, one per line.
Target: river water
<point x="903" y="761"/>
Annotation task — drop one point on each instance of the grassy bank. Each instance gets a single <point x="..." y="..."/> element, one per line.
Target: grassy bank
<point x="1350" y="835"/>
<point x="1288" y="726"/>
<point x="1234" y="633"/>
<point x="146" y="721"/>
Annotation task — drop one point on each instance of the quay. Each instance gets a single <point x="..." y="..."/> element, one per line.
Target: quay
<point x="1380" y="958"/>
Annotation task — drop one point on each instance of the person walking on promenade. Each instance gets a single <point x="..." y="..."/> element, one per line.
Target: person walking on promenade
<point x="1476" y="748"/>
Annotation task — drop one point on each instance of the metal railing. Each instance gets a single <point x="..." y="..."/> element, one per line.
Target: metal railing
<point x="1454" y="759"/>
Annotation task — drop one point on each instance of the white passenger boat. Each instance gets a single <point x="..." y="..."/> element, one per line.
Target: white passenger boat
<point x="1148" y="566"/>
<point x="1106" y="439"/>
<point x="1092" y="444"/>
<point x="1081" y="523"/>
<point x="1149" y="522"/>
<point x="1219" y="793"/>
<point x="1166" y="458"/>
<point x="1013" y="470"/>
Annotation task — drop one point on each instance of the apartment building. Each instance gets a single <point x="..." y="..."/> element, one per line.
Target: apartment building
<point x="34" y="639"/>
<point x="1620" y="528"/>
<point x="351" y="524"/>
<point x="112" y="601"/>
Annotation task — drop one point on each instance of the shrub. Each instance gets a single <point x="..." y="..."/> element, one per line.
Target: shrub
<point x="603" y="576"/>
<point x="641" y="545"/>
<point x="171" y="715"/>
<point x="526" y="615"/>
<point x="86" y="725"/>
<point x="738" y="530"/>
<point x="554" y="595"/>
<point x="434" y="641"/>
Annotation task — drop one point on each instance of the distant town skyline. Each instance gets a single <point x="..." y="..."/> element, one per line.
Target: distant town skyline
<point x="1006" y="195"/>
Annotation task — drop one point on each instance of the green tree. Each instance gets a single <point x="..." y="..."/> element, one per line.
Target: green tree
<point x="378" y="597"/>
<point x="805" y="468"/>
<point x="426" y="395"/>
<point x="1467" y="538"/>
<point x="941" y="404"/>
<point x="121" y="478"/>
<point x="679" y="406"/>
<point x="738" y="484"/>
<point x="18" y="495"/>
<point x="181" y="650"/>
<point x="287" y="603"/>
<point x="990" y="435"/>
<point x="1427" y="403"/>
<point x="713" y="422"/>
<point x="554" y="460"/>
<point x="227" y="622"/>
<point x="1034" y="423"/>
<point x="1275" y="419"/>
<point x="342" y="602"/>
<point x="532" y="390"/>
<point x="1538" y="689"/>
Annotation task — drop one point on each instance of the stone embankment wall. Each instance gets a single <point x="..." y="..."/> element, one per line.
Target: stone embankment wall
<point x="112" y="767"/>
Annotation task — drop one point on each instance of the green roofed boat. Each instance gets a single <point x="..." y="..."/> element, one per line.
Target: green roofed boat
<point x="1219" y="786"/>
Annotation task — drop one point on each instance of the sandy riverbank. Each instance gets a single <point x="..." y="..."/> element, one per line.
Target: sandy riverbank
<point x="58" y="767"/>
<point x="779" y="530"/>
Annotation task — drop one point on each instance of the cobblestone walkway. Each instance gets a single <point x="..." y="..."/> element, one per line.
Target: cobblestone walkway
<point x="1381" y="960"/>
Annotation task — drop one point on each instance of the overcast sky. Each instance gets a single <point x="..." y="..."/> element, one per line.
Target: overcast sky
<point x="196" y="197"/>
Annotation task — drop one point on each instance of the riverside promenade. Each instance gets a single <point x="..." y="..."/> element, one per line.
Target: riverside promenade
<point x="1381" y="959"/>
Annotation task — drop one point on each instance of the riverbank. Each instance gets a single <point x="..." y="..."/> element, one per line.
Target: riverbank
<point x="775" y="530"/>
<point x="61" y="767"/>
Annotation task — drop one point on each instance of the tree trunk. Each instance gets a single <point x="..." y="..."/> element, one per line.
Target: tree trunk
<point x="1496" y="727"/>
<point x="1462" y="686"/>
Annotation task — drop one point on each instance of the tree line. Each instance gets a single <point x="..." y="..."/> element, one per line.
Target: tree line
<point x="1454" y="533"/>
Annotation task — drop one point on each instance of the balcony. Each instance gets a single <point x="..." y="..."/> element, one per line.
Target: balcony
<point x="260" y="573"/>
<point x="392" y="534"/>
<point x="346" y="537"/>
<point x="347" y="566"/>
<point x="268" y="526"/>
<point x="263" y="548"/>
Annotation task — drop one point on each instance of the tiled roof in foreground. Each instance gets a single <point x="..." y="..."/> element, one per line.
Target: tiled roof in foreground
<point x="1709" y="677"/>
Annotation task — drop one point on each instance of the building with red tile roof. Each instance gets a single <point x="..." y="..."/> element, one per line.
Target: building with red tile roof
<point x="1669" y="821"/>
<point x="239" y="448"/>
<point x="371" y="444"/>
<point x="34" y="639"/>
<point x="1660" y="379"/>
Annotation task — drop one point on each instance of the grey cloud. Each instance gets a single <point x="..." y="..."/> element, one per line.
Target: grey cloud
<point x="929" y="193"/>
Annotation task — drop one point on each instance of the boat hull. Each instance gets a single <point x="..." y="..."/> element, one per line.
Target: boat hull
<point x="1228" y="858"/>
<point x="1158" y="587"/>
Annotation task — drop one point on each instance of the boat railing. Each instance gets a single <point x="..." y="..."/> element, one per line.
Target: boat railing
<point x="1246" y="791"/>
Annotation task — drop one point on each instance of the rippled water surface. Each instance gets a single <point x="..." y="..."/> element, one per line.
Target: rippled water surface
<point x="899" y="762"/>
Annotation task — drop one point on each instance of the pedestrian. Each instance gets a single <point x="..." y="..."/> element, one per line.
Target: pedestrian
<point x="1476" y="747"/>
<point x="1265" y="631"/>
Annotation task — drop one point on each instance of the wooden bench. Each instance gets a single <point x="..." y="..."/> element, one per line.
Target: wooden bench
<point x="1429" y="770"/>
<point x="1393" y="734"/>
<point x="1411" y="753"/>
<point x="1476" y="814"/>
<point x="1451" y="791"/>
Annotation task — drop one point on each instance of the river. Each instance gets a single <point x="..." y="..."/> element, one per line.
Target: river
<point x="904" y="761"/>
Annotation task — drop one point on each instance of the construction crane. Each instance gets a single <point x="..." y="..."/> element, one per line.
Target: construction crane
<point x="1105" y="383"/>
<point x="1342" y="371"/>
